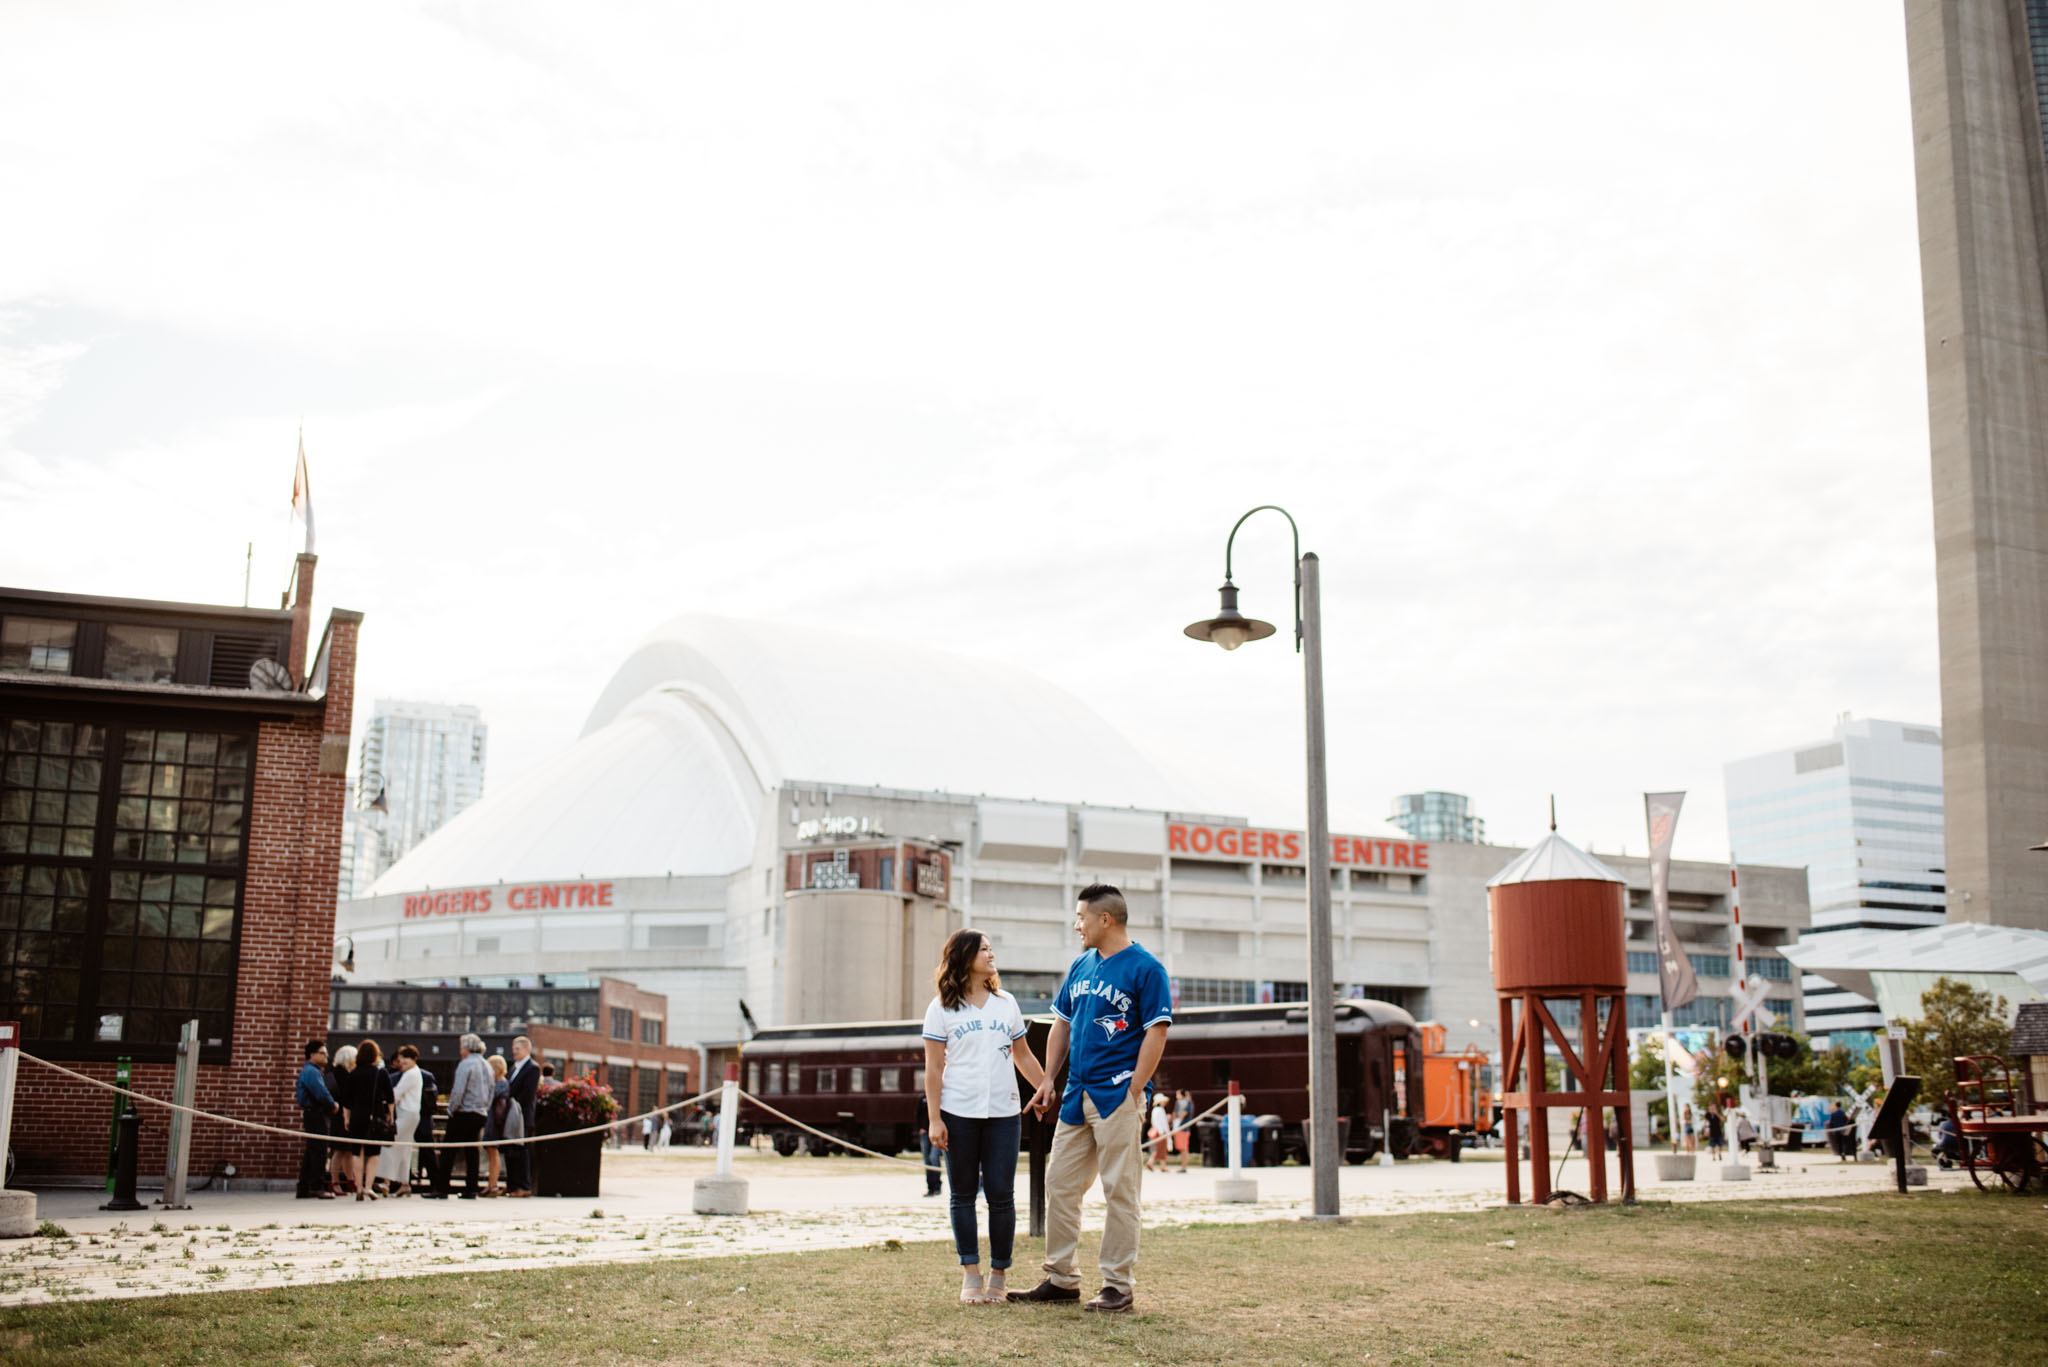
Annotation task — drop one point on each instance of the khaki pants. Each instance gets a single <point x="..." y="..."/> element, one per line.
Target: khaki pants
<point x="1108" y="1145"/>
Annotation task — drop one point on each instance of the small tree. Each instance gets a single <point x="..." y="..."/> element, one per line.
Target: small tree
<point x="1956" y="1020"/>
<point x="1646" y="1074"/>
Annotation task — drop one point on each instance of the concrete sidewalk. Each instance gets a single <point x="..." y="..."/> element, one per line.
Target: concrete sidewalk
<point x="242" y="1240"/>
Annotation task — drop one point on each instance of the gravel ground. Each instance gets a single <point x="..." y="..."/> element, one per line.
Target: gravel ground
<point x="244" y="1240"/>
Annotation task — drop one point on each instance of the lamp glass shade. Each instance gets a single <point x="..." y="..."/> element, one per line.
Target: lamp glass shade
<point x="1229" y="635"/>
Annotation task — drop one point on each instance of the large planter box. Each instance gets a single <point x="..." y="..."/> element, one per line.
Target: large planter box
<point x="568" y="1167"/>
<point x="1676" y="1167"/>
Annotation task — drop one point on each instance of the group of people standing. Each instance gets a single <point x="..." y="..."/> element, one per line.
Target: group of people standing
<point x="362" y="1122"/>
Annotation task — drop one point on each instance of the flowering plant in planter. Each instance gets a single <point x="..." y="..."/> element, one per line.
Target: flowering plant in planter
<point x="573" y="1105"/>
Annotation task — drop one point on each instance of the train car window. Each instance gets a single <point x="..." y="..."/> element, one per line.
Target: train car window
<point x="828" y="1080"/>
<point x="774" y="1087"/>
<point x="917" y="1080"/>
<point x="754" y="1078"/>
<point x="856" y="1079"/>
<point x="892" y="1080"/>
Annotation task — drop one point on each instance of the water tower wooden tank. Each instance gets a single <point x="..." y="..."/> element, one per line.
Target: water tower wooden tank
<point x="1559" y="930"/>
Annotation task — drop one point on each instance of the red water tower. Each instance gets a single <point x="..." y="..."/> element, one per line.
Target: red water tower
<point x="1559" y="934"/>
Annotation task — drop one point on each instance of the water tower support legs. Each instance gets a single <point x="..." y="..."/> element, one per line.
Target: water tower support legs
<point x="1511" y="1115"/>
<point x="1537" y="1082"/>
<point x="1595" y="1082"/>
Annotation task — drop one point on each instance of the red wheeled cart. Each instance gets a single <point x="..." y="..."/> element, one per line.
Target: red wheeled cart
<point x="2000" y="1132"/>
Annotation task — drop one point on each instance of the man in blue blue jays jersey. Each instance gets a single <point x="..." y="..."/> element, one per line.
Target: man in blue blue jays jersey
<point x="1111" y="1017"/>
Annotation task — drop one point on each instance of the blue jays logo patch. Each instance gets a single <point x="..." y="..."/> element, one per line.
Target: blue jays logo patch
<point x="1112" y="1026"/>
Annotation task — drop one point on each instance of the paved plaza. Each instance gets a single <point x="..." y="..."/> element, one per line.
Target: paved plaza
<point x="256" y="1239"/>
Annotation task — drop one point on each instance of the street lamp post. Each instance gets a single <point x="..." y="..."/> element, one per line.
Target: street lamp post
<point x="1230" y="629"/>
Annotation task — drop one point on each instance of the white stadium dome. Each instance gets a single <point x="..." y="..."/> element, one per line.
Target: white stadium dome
<point x="708" y="715"/>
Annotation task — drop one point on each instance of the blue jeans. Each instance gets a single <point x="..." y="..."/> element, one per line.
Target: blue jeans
<point x="933" y="1158"/>
<point x="981" y="1155"/>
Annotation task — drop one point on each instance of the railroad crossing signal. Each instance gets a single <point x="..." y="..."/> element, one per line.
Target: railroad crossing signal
<point x="1749" y="1001"/>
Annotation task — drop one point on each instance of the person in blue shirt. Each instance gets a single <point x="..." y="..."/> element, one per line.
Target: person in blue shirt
<point x="316" y="1106"/>
<point x="1109" y="1027"/>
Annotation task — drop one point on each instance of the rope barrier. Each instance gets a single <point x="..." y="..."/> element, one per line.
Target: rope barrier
<point x="262" y="1128"/>
<point x="351" y="1139"/>
<point x="919" y="1163"/>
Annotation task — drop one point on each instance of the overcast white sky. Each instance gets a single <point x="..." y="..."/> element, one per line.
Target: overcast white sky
<point x="1583" y="340"/>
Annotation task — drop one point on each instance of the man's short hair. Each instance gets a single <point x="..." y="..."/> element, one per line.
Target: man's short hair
<point x="1108" y="899"/>
<point x="407" y="1051"/>
<point x="314" y="1046"/>
<point x="472" y="1044"/>
<point x="521" y="1039"/>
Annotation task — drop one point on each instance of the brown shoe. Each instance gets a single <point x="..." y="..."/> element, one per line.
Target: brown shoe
<point x="1111" y="1302"/>
<point x="1047" y="1292"/>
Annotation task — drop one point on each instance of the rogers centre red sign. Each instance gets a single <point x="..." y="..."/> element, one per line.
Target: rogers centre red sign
<point x="1285" y="847"/>
<point x="519" y="897"/>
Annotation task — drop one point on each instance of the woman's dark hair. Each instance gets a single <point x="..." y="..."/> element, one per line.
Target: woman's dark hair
<point x="367" y="1054"/>
<point x="956" y="963"/>
<point x="407" y="1051"/>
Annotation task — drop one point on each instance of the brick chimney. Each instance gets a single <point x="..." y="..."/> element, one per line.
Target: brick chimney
<point x="302" y="616"/>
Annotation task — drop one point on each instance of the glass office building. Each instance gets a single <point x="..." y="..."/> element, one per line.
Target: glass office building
<point x="1862" y="811"/>
<point x="428" y="761"/>
<point x="1445" y="817"/>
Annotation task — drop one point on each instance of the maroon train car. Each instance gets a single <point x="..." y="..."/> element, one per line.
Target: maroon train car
<point x="861" y="1081"/>
<point x="1264" y="1050"/>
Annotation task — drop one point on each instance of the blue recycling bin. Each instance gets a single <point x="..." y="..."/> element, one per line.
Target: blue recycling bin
<point x="1248" y="1138"/>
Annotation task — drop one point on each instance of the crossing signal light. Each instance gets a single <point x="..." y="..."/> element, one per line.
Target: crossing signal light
<point x="1765" y="1045"/>
<point x="1777" y="1046"/>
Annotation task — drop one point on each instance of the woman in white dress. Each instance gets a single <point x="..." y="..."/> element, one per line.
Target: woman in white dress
<point x="974" y="1048"/>
<point x="398" y="1162"/>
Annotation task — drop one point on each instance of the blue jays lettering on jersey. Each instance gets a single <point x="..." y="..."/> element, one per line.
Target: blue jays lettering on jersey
<point x="1108" y="1004"/>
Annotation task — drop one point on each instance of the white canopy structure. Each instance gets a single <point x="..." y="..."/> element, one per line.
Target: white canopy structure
<point x="708" y="715"/>
<point x="1894" y="967"/>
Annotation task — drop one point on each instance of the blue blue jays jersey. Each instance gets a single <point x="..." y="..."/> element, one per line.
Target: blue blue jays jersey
<point x="1108" y="1004"/>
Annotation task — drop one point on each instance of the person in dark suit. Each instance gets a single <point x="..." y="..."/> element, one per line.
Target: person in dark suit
<point x="523" y="1084"/>
<point x="317" y="1106"/>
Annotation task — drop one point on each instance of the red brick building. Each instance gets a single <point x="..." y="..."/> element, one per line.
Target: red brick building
<point x="628" y="1052"/>
<point x="171" y="786"/>
<point x="609" y="1030"/>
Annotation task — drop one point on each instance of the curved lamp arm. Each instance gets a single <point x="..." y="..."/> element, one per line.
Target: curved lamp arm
<point x="1230" y="546"/>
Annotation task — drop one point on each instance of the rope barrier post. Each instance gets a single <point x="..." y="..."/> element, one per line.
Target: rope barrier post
<point x="722" y="1193"/>
<point x="126" y="1150"/>
<point x="121" y="1103"/>
<point x="1236" y="1188"/>
<point x="17" y="1208"/>
<point x="178" y="1155"/>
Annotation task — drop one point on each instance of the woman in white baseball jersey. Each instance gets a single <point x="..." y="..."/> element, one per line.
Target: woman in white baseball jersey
<point x="974" y="1047"/>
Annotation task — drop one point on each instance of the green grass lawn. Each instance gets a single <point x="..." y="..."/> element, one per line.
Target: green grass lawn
<point x="1856" y="1278"/>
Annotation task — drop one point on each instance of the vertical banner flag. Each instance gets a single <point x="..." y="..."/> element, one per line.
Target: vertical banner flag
<point x="1675" y="980"/>
<point x="302" y="493"/>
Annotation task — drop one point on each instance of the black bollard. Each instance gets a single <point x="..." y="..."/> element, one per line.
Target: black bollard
<point x="125" y="1153"/>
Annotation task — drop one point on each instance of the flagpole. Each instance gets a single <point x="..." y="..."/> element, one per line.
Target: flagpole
<point x="1670" y="1090"/>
